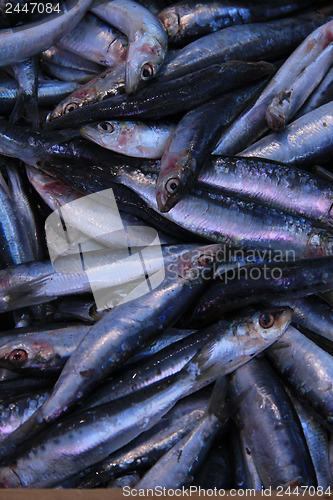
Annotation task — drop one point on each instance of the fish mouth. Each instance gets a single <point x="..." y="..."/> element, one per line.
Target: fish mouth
<point x="163" y="202"/>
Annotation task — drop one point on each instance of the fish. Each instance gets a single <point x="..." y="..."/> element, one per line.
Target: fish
<point x="62" y="57"/>
<point x="123" y="420"/>
<point x="307" y="370"/>
<point x="193" y="140"/>
<point x="26" y="106"/>
<point x="287" y="188"/>
<point x="214" y="216"/>
<point x="96" y="41"/>
<point x="281" y="37"/>
<point x="147" y="39"/>
<point x="317" y="440"/>
<point x="185" y="21"/>
<point x="252" y="124"/>
<point x="124" y="329"/>
<point x="262" y="282"/>
<point x="159" y="100"/>
<point x="131" y="138"/>
<point x="271" y="427"/>
<point x="110" y="82"/>
<point x="177" y="467"/>
<point x="287" y="102"/>
<point x="146" y="448"/>
<point x="20" y="43"/>
<point x="38" y="282"/>
<point x="303" y="142"/>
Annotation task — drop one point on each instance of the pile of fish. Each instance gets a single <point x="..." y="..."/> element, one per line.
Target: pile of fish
<point x="166" y="244"/>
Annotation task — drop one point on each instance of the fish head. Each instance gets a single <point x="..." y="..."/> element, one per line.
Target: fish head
<point x="171" y="22"/>
<point x="104" y="133"/>
<point x="267" y="325"/>
<point x="71" y="103"/>
<point x="145" y="57"/>
<point x="19" y="354"/>
<point x="198" y="264"/>
<point x="171" y="186"/>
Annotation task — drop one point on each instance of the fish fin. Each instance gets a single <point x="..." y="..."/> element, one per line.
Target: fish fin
<point x="25" y="108"/>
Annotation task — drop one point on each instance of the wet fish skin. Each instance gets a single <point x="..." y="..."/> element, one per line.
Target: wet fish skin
<point x="120" y="332"/>
<point x="185" y="21"/>
<point x="15" y="411"/>
<point x="193" y="140"/>
<point x="252" y="124"/>
<point x="322" y="95"/>
<point x="148" y="447"/>
<point x="148" y="41"/>
<point x="164" y="363"/>
<point x="66" y="74"/>
<point x="245" y="42"/>
<point x="286" y="188"/>
<point x="49" y="93"/>
<point x="287" y="102"/>
<point x="20" y="43"/>
<point x="317" y="439"/>
<point x="303" y="142"/>
<point x="26" y="106"/>
<point x="14" y="243"/>
<point x="271" y="427"/>
<point x="272" y="281"/>
<point x="110" y="82"/>
<point x="177" y="467"/>
<point x="243" y="222"/>
<point x="159" y="100"/>
<point x="307" y="370"/>
<point x="62" y="57"/>
<point x="39" y="282"/>
<point x="313" y="314"/>
<point x="109" y="427"/>
<point x="245" y="472"/>
<point x="25" y="207"/>
<point x="97" y="41"/>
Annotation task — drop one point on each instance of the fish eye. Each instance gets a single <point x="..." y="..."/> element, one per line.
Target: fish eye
<point x="71" y="106"/>
<point x="266" y="320"/>
<point x="147" y="71"/>
<point x="105" y="127"/>
<point x="172" y="186"/>
<point x="206" y="260"/>
<point x="17" y="357"/>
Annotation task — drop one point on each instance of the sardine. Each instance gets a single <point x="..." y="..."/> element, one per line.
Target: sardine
<point x="185" y="21"/>
<point x="109" y="427"/>
<point x="148" y="41"/>
<point x="159" y="100"/>
<point x="193" y="140"/>
<point x="271" y="427"/>
<point x="97" y="41"/>
<point x="20" y="43"/>
<point x="139" y="139"/>
<point x="252" y="124"/>
<point x="308" y="371"/>
<point x="245" y="42"/>
<point x="177" y="467"/>
<point x="303" y="142"/>
<point x="38" y="350"/>
<point x="287" y="102"/>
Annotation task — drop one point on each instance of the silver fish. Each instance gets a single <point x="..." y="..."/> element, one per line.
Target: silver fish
<point x="147" y="38"/>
